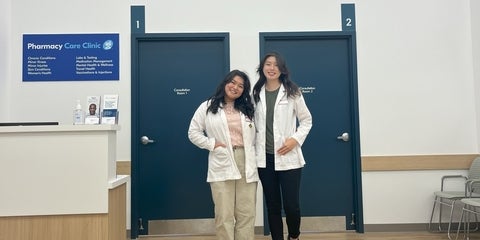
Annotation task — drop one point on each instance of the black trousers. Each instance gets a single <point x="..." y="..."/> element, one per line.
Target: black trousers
<point x="281" y="187"/>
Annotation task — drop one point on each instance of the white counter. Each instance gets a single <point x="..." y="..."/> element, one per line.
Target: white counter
<point x="58" y="128"/>
<point x="52" y="170"/>
<point x="121" y="179"/>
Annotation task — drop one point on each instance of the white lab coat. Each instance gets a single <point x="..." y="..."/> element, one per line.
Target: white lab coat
<point x="206" y="128"/>
<point x="287" y="110"/>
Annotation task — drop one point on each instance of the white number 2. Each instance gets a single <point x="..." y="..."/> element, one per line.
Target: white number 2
<point x="348" y="22"/>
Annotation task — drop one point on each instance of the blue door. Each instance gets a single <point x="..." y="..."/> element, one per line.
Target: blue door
<point x="323" y="64"/>
<point x="171" y="75"/>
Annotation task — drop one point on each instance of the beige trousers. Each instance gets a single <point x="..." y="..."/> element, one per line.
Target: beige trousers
<point x="235" y="205"/>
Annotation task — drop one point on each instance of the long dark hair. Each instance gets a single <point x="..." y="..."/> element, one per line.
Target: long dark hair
<point x="243" y="103"/>
<point x="290" y="86"/>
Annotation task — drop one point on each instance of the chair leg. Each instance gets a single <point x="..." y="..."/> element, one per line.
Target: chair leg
<point x="440" y="202"/>
<point x="440" y="206"/>
<point x="431" y="217"/>
<point x="465" y="219"/>
<point x="460" y="224"/>
<point x="467" y="224"/>
<point x="451" y="218"/>
<point x="475" y="212"/>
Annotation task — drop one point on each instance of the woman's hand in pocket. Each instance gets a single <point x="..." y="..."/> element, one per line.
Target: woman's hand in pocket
<point x="219" y="144"/>
<point x="287" y="146"/>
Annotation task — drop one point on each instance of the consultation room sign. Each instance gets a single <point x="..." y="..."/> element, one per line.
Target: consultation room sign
<point x="70" y="57"/>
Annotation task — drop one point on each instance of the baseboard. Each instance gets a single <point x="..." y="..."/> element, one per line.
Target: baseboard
<point x="407" y="227"/>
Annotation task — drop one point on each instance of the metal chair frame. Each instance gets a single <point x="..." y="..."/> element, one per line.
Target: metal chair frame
<point x="471" y="205"/>
<point x="450" y="198"/>
<point x="446" y="198"/>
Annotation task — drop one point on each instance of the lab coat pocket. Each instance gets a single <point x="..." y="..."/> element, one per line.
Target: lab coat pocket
<point x="291" y="158"/>
<point x="220" y="159"/>
<point x="282" y="109"/>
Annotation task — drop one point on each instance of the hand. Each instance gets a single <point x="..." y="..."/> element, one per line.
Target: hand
<point x="288" y="145"/>
<point x="219" y="144"/>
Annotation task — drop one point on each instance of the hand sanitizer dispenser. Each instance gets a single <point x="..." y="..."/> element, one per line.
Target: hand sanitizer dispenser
<point x="78" y="114"/>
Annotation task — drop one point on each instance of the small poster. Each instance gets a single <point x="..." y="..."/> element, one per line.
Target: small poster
<point x="110" y="109"/>
<point x="93" y="109"/>
<point x="70" y="57"/>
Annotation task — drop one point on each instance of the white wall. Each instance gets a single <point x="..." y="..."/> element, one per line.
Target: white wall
<point x="417" y="77"/>
<point x="5" y="26"/>
<point x="475" y="28"/>
<point x="55" y="101"/>
<point x="417" y="96"/>
<point x="402" y="197"/>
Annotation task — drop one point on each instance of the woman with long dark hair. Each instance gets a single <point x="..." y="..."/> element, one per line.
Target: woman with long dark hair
<point x="279" y="104"/>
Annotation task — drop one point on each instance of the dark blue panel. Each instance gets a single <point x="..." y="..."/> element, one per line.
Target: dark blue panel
<point x="323" y="65"/>
<point x="172" y="75"/>
<point x="348" y="17"/>
<point x="137" y="18"/>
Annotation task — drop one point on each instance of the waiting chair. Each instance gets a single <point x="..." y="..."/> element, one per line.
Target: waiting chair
<point x="448" y="198"/>
<point x="471" y="205"/>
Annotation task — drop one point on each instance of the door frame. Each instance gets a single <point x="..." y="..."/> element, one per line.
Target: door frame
<point x="135" y="133"/>
<point x="350" y="36"/>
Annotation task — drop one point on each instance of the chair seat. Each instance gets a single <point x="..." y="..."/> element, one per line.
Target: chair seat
<point x="454" y="194"/>
<point x="471" y="201"/>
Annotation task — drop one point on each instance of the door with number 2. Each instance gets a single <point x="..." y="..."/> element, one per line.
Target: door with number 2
<point x="323" y="64"/>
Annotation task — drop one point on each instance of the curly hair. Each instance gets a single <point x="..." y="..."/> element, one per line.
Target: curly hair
<point x="243" y="103"/>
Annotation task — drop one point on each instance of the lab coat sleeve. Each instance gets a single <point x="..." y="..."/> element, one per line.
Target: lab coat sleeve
<point x="304" y="118"/>
<point x="197" y="129"/>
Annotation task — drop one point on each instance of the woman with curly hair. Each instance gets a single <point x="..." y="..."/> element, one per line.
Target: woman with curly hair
<point x="224" y="126"/>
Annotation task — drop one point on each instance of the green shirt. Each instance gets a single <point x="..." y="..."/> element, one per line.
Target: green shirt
<point x="270" y="98"/>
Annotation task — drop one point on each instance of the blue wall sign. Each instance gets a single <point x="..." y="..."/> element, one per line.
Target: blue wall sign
<point x="70" y="57"/>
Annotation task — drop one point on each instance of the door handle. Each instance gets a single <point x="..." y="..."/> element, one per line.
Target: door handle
<point x="144" y="140"/>
<point x="344" y="137"/>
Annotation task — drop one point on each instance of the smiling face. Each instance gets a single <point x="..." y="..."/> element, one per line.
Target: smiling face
<point x="234" y="89"/>
<point x="270" y="69"/>
<point x="92" y="109"/>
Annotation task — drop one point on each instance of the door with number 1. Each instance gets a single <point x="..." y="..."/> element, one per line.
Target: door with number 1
<point x="171" y="75"/>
